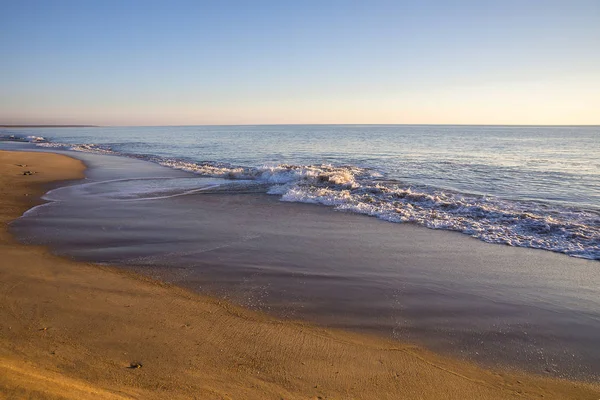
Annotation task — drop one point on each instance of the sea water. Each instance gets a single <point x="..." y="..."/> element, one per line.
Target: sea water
<point x="526" y="186"/>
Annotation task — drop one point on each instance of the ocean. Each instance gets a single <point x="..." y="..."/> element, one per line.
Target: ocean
<point x="525" y="186"/>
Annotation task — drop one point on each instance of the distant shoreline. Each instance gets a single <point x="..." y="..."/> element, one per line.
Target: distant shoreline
<point x="49" y="126"/>
<point x="289" y="124"/>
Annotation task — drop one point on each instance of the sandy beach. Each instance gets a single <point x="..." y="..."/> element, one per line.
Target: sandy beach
<point x="77" y="330"/>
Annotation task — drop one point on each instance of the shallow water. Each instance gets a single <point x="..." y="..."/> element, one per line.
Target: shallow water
<point x="533" y="187"/>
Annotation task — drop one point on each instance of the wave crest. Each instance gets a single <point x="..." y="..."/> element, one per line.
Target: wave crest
<point x="522" y="224"/>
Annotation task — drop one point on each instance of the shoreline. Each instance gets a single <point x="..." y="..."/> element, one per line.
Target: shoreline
<point x="48" y="126"/>
<point x="86" y="324"/>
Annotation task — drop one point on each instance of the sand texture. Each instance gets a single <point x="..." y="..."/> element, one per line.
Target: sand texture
<point x="73" y="330"/>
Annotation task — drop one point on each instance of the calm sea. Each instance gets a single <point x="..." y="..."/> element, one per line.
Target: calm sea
<point x="524" y="186"/>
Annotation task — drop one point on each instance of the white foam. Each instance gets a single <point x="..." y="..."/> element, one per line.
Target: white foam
<point x="523" y="224"/>
<point x="349" y="188"/>
<point x="85" y="148"/>
<point x="276" y="174"/>
<point x="134" y="189"/>
<point x="35" y="139"/>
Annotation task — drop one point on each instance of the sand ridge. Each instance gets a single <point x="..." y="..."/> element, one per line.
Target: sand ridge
<point x="73" y="330"/>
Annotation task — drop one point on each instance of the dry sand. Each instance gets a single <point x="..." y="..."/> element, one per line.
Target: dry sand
<point x="71" y="330"/>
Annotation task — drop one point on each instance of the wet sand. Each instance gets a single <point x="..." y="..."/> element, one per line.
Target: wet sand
<point x="72" y="330"/>
<point x="500" y="306"/>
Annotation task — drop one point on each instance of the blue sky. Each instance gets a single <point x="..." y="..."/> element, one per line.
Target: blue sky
<point x="251" y="62"/>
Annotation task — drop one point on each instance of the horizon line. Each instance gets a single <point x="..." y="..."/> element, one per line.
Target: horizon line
<point x="280" y="124"/>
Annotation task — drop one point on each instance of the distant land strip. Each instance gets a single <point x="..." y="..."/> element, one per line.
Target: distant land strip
<point x="48" y="126"/>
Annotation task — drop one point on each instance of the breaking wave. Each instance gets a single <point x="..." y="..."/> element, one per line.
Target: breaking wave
<point x="557" y="228"/>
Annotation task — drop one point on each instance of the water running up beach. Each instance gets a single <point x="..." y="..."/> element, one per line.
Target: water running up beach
<point x="219" y="210"/>
<point x="533" y="187"/>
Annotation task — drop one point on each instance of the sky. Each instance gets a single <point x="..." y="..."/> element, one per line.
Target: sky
<point x="148" y="62"/>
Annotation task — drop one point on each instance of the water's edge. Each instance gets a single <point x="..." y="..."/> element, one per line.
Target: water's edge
<point x="417" y="299"/>
<point x="533" y="224"/>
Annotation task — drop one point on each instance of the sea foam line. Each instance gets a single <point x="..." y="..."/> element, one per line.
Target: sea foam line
<point x="531" y="224"/>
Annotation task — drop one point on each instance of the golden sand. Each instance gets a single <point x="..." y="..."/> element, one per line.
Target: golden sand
<point x="73" y="330"/>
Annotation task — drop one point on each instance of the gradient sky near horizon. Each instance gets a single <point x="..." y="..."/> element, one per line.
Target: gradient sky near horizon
<point x="175" y="62"/>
